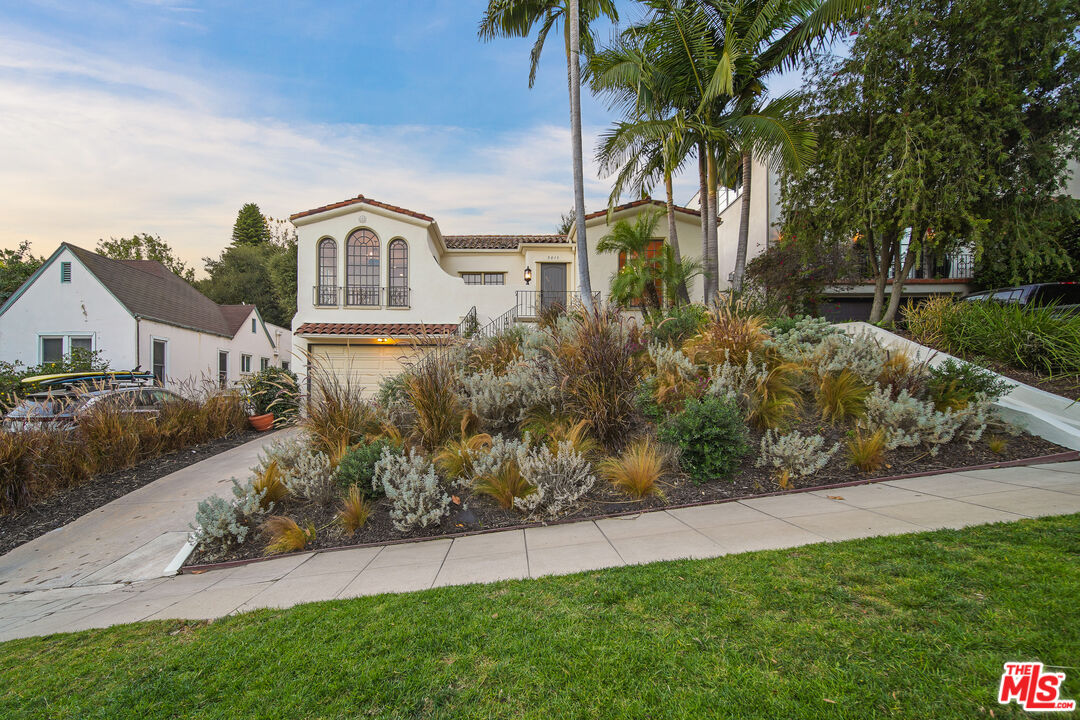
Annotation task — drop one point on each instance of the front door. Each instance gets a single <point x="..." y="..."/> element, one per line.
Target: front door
<point x="552" y="285"/>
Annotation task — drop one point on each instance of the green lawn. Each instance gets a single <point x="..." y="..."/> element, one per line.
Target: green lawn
<point x="915" y="626"/>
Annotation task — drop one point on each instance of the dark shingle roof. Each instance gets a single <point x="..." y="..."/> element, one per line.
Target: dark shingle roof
<point x="497" y="242"/>
<point x="150" y="290"/>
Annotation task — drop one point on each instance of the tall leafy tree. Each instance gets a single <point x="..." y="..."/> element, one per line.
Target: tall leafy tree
<point x="251" y="226"/>
<point x="918" y="150"/>
<point x="16" y="267"/>
<point x="146" y="247"/>
<point x="517" y="18"/>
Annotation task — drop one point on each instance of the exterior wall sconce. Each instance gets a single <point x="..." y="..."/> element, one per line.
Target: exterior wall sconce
<point x="528" y="274"/>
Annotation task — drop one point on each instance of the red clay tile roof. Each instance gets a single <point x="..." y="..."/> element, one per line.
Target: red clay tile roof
<point x="497" y="242"/>
<point x="378" y="329"/>
<point x="639" y="203"/>
<point x="366" y="201"/>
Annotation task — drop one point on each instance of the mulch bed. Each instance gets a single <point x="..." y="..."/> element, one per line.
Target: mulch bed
<point x="74" y="502"/>
<point x="1068" y="386"/>
<point x="480" y="513"/>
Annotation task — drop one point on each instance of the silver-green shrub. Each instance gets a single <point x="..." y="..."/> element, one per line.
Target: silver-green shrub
<point x="220" y="524"/>
<point x="672" y="361"/>
<point x="910" y="422"/>
<point x="560" y="477"/>
<point x="500" y="401"/>
<point x="862" y="354"/>
<point x="801" y="455"/>
<point x="502" y="451"/>
<point x="417" y="497"/>
<point x="311" y="477"/>
<point x="801" y="339"/>
<point x="730" y="381"/>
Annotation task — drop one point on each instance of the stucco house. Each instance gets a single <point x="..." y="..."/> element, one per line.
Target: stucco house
<point x="374" y="280"/>
<point x="136" y="314"/>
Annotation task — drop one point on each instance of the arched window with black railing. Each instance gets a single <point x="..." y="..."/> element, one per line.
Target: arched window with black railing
<point x="326" y="291"/>
<point x="397" y="285"/>
<point x="362" y="268"/>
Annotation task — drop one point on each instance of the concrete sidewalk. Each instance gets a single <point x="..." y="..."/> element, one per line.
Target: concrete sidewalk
<point x="944" y="501"/>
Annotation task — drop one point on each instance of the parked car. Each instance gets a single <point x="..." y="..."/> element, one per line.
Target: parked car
<point x="1063" y="295"/>
<point x="64" y="406"/>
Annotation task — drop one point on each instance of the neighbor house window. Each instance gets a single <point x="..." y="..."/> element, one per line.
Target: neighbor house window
<point x="83" y="344"/>
<point x="264" y="363"/>
<point x="398" y="274"/>
<point x="326" y="292"/>
<point x="362" y="268"/>
<point x="223" y="368"/>
<point x="284" y="364"/>
<point x="253" y="325"/>
<point x="245" y="363"/>
<point x="52" y="349"/>
<point x="484" y="278"/>
<point x="157" y="359"/>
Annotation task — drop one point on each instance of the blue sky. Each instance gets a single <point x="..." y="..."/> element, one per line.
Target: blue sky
<point x="164" y="116"/>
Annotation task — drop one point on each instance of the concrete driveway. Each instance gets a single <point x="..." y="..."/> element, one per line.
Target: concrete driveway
<point x="132" y="538"/>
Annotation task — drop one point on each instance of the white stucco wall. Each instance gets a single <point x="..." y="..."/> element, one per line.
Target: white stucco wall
<point x="436" y="296"/>
<point x="81" y="307"/>
<point x="190" y="356"/>
<point x="764" y="214"/>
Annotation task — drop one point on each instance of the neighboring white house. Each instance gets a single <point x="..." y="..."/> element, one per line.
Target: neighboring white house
<point x="136" y="314"/>
<point x="376" y="281"/>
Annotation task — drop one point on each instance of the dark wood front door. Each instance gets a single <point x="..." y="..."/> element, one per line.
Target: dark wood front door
<point x="552" y="285"/>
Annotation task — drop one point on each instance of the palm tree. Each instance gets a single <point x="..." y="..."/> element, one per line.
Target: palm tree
<point x="623" y="72"/>
<point x="758" y="39"/>
<point x="637" y="279"/>
<point x="685" y="59"/>
<point x="516" y="18"/>
<point x="675" y="273"/>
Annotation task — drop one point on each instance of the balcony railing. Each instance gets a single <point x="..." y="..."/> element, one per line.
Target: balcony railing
<point x="532" y="302"/>
<point x="361" y="296"/>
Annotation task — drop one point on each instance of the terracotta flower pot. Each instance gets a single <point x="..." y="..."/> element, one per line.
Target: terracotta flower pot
<point x="262" y="423"/>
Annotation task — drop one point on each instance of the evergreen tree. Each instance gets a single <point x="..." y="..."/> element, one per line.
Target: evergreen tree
<point x="250" y="227"/>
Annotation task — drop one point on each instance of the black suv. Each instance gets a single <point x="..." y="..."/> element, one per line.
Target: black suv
<point x="1063" y="295"/>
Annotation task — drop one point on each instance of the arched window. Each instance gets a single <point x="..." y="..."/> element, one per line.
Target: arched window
<point x="398" y="275"/>
<point x="326" y="292"/>
<point x="362" y="268"/>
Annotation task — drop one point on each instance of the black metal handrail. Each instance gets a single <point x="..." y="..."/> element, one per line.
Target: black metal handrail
<point x="503" y="322"/>
<point x="531" y="302"/>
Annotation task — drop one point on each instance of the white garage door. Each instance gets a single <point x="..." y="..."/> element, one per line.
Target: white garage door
<point x="362" y="365"/>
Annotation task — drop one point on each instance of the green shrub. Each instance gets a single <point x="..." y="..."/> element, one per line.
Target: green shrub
<point x="357" y="466"/>
<point x="274" y="390"/>
<point x="711" y="434"/>
<point x="679" y="324"/>
<point x="1041" y="339"/>
<point x="953" y="384"/>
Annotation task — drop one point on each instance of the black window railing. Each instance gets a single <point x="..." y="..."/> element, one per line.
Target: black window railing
<point x="326" y="295"/>
<point x="360" y="296"/>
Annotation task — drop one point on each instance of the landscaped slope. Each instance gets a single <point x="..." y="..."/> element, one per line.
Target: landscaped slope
<point x="915" y="626"/>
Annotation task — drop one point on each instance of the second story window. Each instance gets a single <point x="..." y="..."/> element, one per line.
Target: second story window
<point x="398" y="275"/>
<point x="362" y="268"/>
<point x="484" y="278"/>
<point x="326" y="290"/>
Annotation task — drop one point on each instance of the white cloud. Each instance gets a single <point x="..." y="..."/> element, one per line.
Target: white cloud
<point x="91" y="148"/>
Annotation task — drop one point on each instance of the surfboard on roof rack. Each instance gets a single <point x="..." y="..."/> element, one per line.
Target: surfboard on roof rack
<point x="90" y="376"/>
